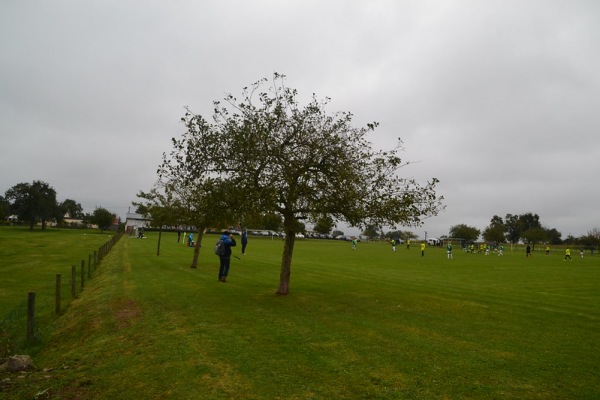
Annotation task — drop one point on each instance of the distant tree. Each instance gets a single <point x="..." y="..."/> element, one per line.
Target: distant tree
<point x="462" y="231"/>
<point x="570" y="239"/>
<point x="591" y="240"/>
<point x="534" y="236"/>
<point x="529" y="221"/>
<point x="494" y="233"/>
<point x="271" y="222"/>
<point x="324" y="224"/>
<point x="512" y="228"/>
<point x="4" y="208"/>
<point x="33" y="202"/>
<point x="409" y="235"/>
<point x="496" y="221"/>
<point x="394" y="235"/>
<point x="103" y="218"/>
<point x="515" y="225"/>
<point x="554" y="236"/>
<point x="71" y="207"/>
<point x="371" y="231"/>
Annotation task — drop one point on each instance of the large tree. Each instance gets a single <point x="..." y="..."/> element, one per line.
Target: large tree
<point x="33" y="202"/>
<point x="302" y="163"/>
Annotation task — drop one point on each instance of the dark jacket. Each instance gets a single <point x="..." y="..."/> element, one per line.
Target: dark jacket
<point x="229" y="243"/>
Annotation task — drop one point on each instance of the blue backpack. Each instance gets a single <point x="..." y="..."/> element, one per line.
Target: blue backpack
<point x="220" y="247"/>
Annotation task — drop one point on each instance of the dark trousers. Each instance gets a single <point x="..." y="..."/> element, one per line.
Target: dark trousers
<point x="224" y="267"/>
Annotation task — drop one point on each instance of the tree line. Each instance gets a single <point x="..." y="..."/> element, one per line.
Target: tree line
<point x="35" y="203"/>
<point x="526" y="228"/>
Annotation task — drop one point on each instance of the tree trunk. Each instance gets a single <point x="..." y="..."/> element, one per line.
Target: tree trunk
<point x="197" y="247"/>
<point x="286" y="264"/>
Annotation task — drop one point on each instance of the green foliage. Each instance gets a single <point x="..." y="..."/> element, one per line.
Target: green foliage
<point x="371" y="231"/>
<point x="464" y="232"/>
<point x="33" y="202"/>
<point x="494" y="233"/>
<point x="70" y="207"/>
<point x="103" y="218"/>
<point x="361" y="324"/>
<point x="298" y="162"/>
<point x="535" y="235"/>
<point x="4" y="208"/>
<point x="324" y="224"/>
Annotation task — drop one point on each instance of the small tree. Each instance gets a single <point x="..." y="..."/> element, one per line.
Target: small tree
<point x="462" y="231"/>
<point x="493" y="233"/>
<point x="535" y="235"/>
<point x="371" y="231"/>
<point x="324" y="225"/>
<point x="103" y="218"/>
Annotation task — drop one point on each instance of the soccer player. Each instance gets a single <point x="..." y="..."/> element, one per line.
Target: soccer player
<point x="449" y="250"/>
<point x="568" y="255"/>
<point x="422" y="249"/>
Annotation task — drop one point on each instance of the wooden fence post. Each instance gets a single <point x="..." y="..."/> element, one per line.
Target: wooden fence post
<point x="89" y="266"/>
<point x="73" y="288"/>
<point x="30" y="317"/>
<point x="82" y="274"/>
<point x="57" y="296"/>
<point x="95" y="260"/>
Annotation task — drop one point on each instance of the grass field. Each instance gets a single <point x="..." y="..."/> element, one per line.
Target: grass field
<point x="365" y="324"/>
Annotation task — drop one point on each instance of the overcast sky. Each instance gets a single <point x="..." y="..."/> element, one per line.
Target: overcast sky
<point x="498" y="99"/>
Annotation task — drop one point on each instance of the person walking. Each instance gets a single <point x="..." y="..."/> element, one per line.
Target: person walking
<point x="244" y="240"/>
<point x="547" y="250"/>
<point x="422" y="249"/>
<point x="225" y="257"/>
<point x="354" y="243"/>
<point x="528" y="251"/>
<point x="568" y="254"/>
<point x="449" y="250"/>
<point x="393" y="241"/>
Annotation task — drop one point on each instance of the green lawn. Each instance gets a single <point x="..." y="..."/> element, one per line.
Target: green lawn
<point x="29" y="261"/>
<point x="365" y="324"/>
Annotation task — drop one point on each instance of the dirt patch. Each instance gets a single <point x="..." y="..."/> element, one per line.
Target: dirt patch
<point x="126" y="312"/>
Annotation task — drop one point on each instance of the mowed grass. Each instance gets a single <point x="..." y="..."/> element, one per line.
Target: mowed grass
<point x="30" y="260"/>
<point x="365" y="324"/>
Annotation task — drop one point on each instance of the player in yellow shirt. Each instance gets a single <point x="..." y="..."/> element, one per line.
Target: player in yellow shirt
<point x="422" y="249"/>
<point x="568" y="255"/>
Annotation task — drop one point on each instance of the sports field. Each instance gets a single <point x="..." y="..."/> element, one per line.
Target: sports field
<point x="365" y="324"/>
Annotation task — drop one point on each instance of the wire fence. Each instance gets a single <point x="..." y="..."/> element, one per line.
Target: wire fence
<point x="33" y="320"/>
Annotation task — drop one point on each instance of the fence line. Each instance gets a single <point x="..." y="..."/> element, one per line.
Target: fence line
<point x="26" y="323"/>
